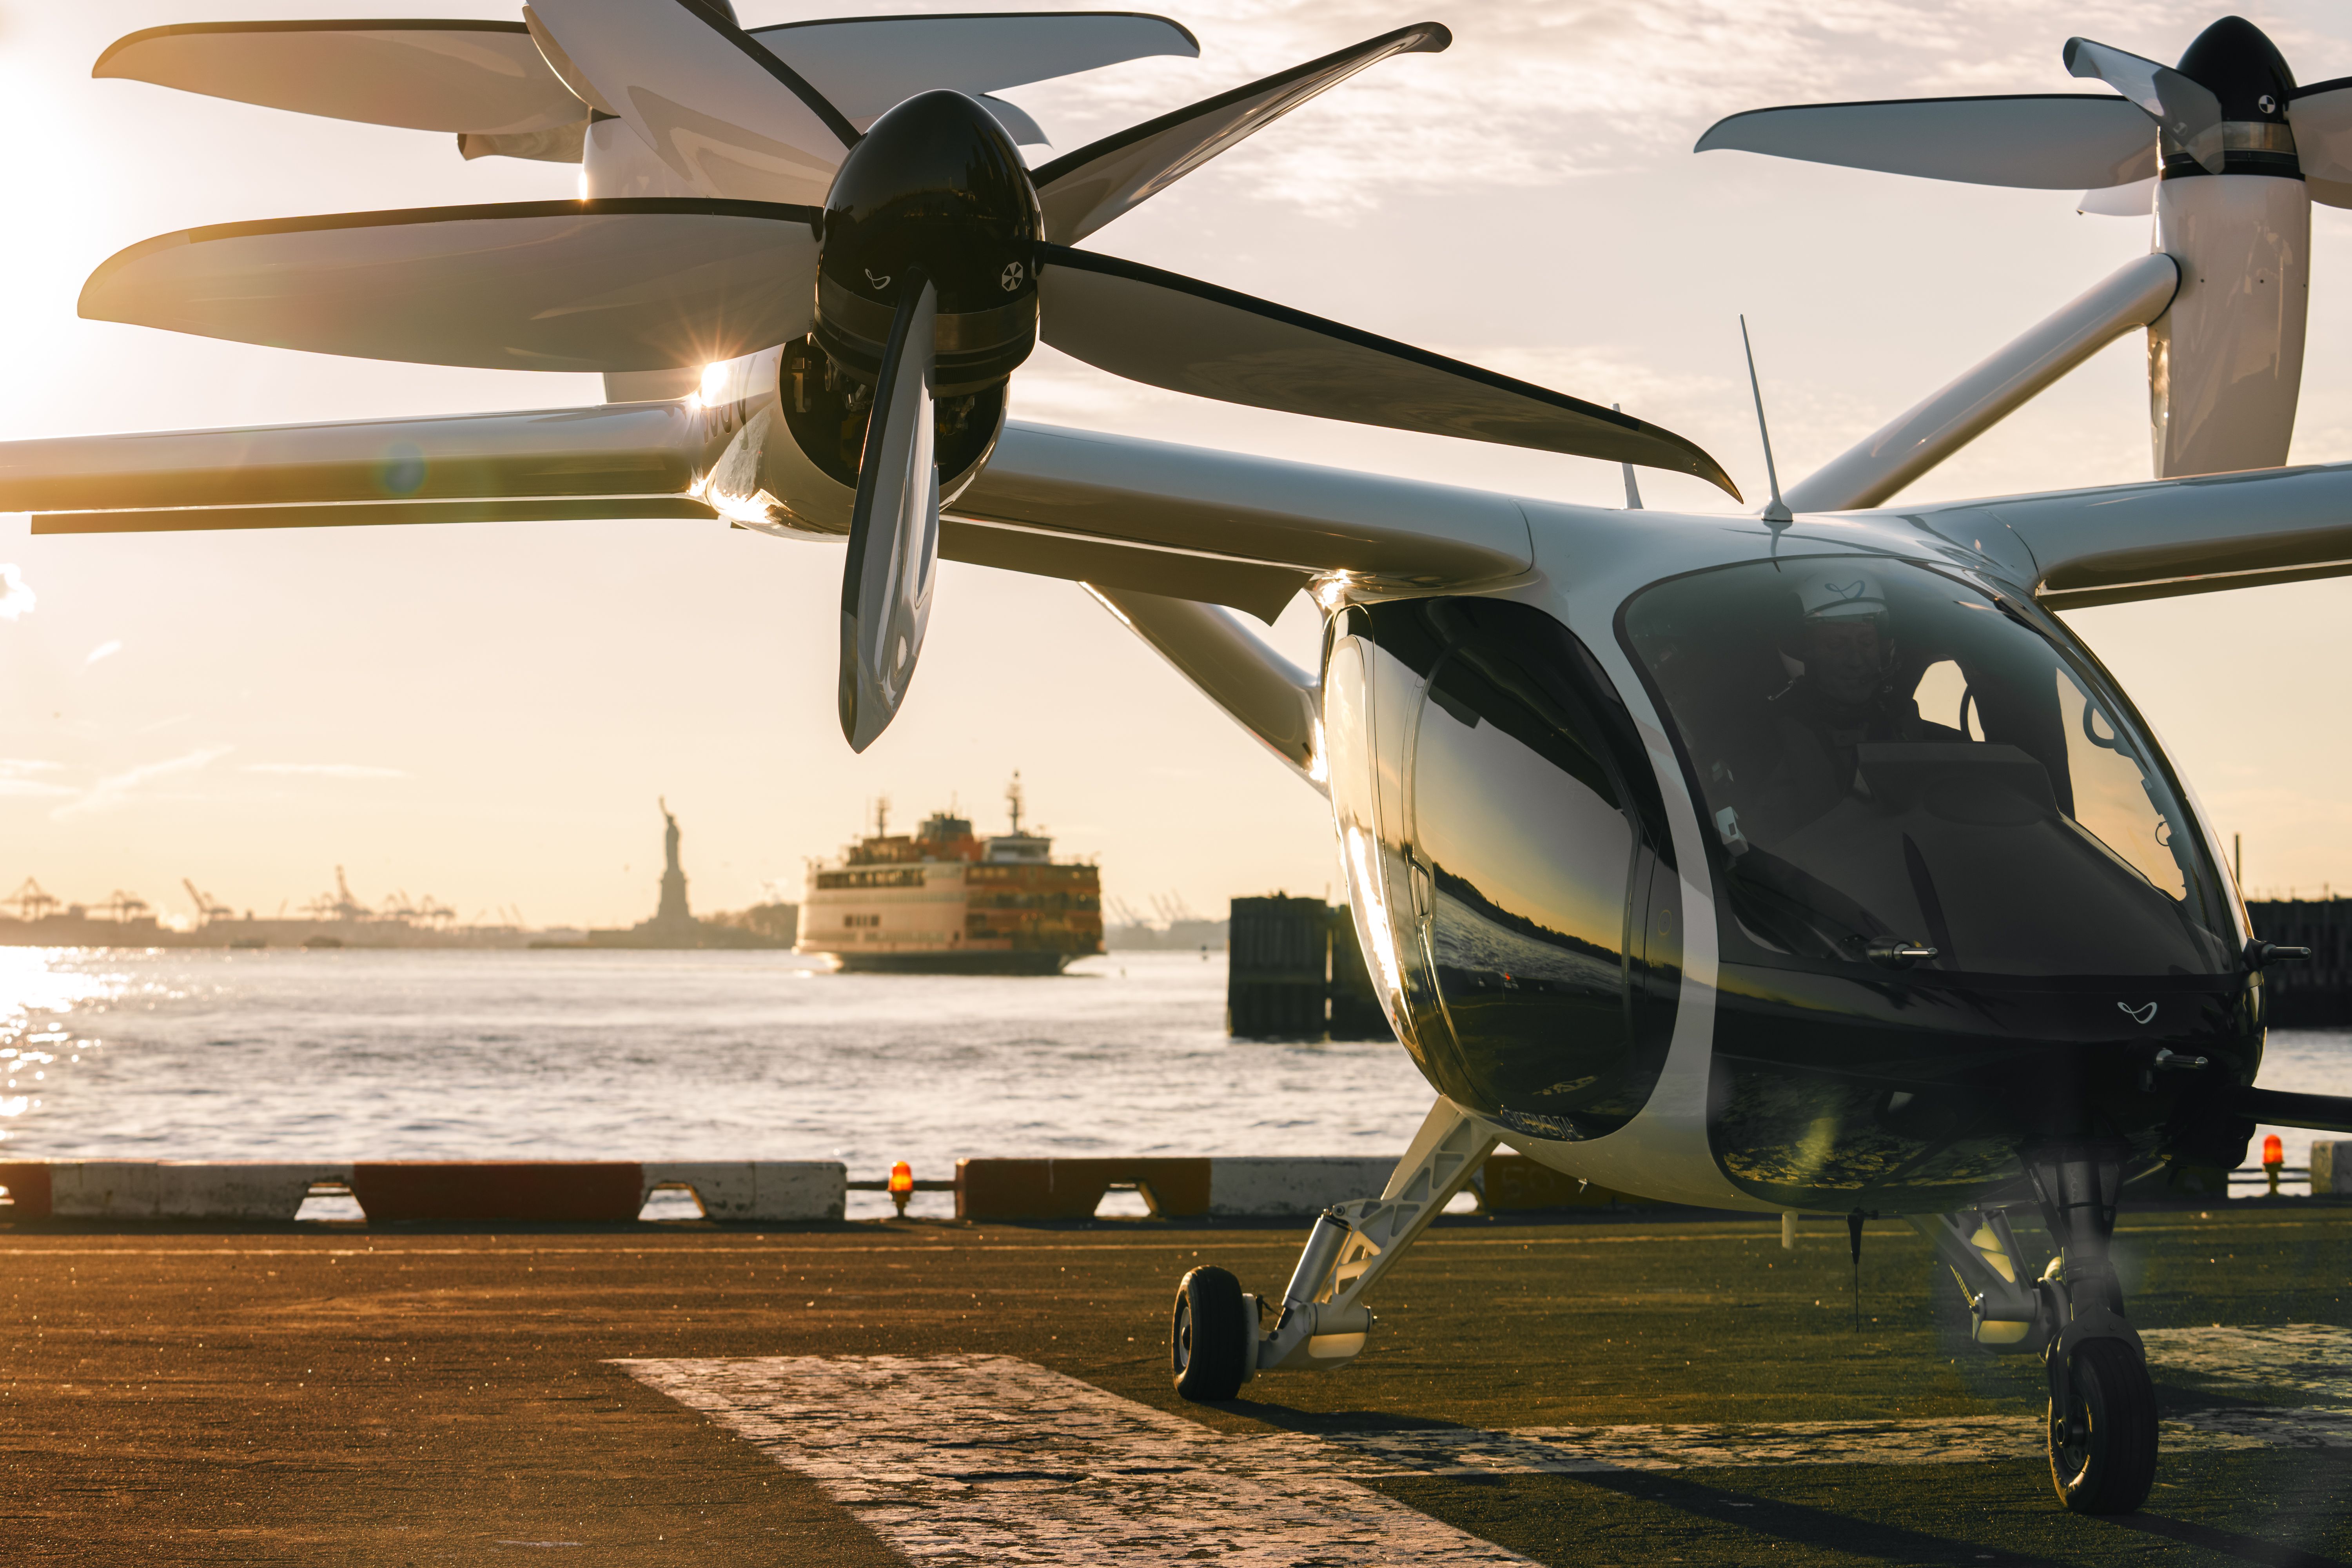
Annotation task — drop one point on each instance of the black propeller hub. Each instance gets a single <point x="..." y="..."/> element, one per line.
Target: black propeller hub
<point x="935" y="190"/>
<point x="2236" y="62"/>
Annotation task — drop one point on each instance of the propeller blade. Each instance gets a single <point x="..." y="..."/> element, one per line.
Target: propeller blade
<point x="2185" y="108"/>
<point x="726" y="116"/>
<point x="2321" y="117"/>
<point x="2042" y="140"/>
<point x="863" y="65"/>
<point x="1167" y="331"/>
<point x="894" y="532"/>
<point x="483" y="78"/>
<point x="621" y="284"/>
<point x="1090" y="187"/>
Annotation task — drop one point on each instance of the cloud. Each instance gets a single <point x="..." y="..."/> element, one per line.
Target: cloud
<point x="327" y="770"/>
<point x="106" y="649"/>
<point x="19" y="776"/>
<point x="16" y="598"/>
<point x="118" y="789"/>
<point x="1533" y="92"/>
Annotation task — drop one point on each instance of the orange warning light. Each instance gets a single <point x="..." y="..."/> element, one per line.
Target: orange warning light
<point x="902" y="1186"/>
<point x="2273" y="1151"/>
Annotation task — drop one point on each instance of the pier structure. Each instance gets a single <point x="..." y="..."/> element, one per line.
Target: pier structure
<point x="1296" y="972"/>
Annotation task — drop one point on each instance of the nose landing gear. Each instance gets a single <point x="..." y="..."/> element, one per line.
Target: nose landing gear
<point x="1215" y="1343"/>
<point x="2102" y="1416"/>
<point x="1212" y="1335"/>
<point x="2102" y="1401"/>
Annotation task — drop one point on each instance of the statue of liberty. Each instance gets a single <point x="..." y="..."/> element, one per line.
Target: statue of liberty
<point x="672" y="915"/>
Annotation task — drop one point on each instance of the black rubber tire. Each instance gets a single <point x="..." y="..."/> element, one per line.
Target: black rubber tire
<point x="1208" y="1344"/>
<point x="2106" y="1462"/>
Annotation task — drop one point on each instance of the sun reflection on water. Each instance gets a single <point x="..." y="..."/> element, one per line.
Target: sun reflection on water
<point x="41" y="989"/>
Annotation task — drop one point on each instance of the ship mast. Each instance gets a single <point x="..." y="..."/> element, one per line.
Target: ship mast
<point x="1013" y="799"/>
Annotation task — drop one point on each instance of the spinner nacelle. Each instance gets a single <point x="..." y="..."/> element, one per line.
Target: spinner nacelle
<point x="935" y="187"/>
<point x="2226" y="151"/>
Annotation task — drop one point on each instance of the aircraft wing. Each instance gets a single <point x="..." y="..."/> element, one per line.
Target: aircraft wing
<point x="2116" y="543"/>
<point x="2285" y="1108"/>
<point x="1144" y="516"/>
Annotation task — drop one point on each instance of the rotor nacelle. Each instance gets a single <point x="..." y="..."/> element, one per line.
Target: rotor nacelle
<point x="935" y="190"/>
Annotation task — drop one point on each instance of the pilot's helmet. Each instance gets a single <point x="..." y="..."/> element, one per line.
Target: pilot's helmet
<point x="1833" y="594"/>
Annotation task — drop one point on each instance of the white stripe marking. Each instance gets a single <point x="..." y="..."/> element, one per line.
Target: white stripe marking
<point x="968" y="1459"/>
<point x="988" y="1459"/>
<point x="2310" y="1358"/>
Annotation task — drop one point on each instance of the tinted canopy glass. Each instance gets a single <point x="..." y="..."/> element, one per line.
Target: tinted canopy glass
<point x="1894" y="757"/>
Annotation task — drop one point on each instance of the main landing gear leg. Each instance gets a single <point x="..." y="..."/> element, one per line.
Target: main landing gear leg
<point x="2102" y="1403"/>
<point x="1217" y="1343"/>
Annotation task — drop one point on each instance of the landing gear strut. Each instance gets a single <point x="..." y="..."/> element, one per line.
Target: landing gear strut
<point x="2101" y="1418"/>
<point x="1216" y="1342"/>
<point x="2101" y="1402"/>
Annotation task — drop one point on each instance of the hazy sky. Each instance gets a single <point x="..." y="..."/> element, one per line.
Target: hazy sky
<point x="487" y="713"/>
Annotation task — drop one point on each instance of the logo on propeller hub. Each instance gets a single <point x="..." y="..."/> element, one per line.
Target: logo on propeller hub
<point x="1011" y="279"/>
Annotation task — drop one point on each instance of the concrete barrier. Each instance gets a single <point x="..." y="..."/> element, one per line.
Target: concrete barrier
<point x="1237" y="1187"/>
<point x="609" y="1192"/>
<point x="545" y="1191"/>
<point x="549" y="1191"/>
<point x="1244" y="1187"/>
<point x="755" y="1189"/>
<point x="1070" y="1189"/>
<point x="2331" y="1168"/>
<point x="153" y="1189"/>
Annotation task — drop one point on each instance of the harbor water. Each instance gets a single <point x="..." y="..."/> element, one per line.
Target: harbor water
<point x="616" y="1055"/>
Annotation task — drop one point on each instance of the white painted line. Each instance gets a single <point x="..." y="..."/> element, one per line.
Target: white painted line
<point x="970" y="1460"/>
<point x="2310" y="1358"/>
<point x="973" y="1459"/>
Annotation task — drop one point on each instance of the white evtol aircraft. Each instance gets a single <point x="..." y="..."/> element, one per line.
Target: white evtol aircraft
<point x="1801" y="860"/>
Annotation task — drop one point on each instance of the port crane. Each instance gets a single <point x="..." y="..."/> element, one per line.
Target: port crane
<point x="208" y="907"/>
<point x="30" y="902"/>
<point x="122" y="906"/>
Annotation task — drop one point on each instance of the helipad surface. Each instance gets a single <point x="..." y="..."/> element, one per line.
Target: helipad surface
<point x="1635" y="1392"/>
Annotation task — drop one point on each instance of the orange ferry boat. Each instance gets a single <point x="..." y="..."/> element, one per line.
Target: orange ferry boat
<point x="942" y="900"/>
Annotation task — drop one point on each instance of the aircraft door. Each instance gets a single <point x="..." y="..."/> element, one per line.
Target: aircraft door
<point x="1372" y="699"/>
<point x="1502" y="861"/>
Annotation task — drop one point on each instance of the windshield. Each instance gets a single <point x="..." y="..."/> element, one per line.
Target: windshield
<point x="1893" y="758"/>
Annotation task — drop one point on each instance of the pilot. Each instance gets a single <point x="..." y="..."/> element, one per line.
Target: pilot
<point x="1841" y="694"/>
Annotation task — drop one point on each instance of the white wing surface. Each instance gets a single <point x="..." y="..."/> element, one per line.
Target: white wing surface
<point x="619" y="284"/>
<point x="482" y="77"/>
<point x="2041" y="141"/>
<point x="1143" y="516"/>
<point x="2117" y="543"/>
<point x="864" y="64"/>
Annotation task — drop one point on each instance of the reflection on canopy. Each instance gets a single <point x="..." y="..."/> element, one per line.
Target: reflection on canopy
<point x="2022" y="830"/>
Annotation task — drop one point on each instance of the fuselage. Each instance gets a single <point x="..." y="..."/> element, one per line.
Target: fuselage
<point x="1809" y="868"/>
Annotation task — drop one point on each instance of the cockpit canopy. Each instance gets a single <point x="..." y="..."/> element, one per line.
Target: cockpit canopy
<point x="1894" y="757"/>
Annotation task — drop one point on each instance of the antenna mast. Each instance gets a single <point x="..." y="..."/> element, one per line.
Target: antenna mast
<point x="1013" y="799"/>
<point x="1776" y="511"/>
<point x="1633" y="491"/>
